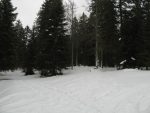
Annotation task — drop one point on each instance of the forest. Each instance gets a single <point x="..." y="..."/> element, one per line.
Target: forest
<point x="116" y="33"/>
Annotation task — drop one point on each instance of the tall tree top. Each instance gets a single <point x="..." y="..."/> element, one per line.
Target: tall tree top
<point x="7" y="12"/>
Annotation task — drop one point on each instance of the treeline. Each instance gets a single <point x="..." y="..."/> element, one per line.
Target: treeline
<point x="115" y="34"/>
<point x="44" y="47"/>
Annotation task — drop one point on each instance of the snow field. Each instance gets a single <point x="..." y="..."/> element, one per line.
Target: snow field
<point x="82" y="90"/>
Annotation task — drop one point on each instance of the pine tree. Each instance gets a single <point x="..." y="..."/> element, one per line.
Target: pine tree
<point x="108" y="33"/>
<point x="90" y="34"/>
<point x="132" y="33"/>
<point x="7" y="35"/>
<point x="1" y="21"/>
<point x="52" y="38"/>
<point x="106" y="22"/>
<point x="145" y="54"/>
<point x="29" y="50"/>
<point x="0" y="15"/>
<point x="75" y="37"/>
<point x="86" y="54"/>
<point x="20" y="44"/>
<point x="139" y="25"/>
<point x="94" y="14"/>
<point x="83" y="21"/>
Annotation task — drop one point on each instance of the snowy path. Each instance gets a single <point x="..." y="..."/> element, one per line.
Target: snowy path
<point x="86" y="91"/>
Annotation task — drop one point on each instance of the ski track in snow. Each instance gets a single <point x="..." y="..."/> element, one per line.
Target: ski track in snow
<point x="83" y="90"/>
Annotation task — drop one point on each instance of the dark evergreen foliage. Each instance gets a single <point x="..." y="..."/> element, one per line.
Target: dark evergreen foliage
<point x="20" y="45"/>
<point x="119" y="31"/>
<point x="84" y="42"/>
<point x="145" y="51"/>
<point x="30" y="36"/>
<point x="75" y="37"/>
<point x="7" y="35"/>
<point x="105" y="15"/>
<point x="51" y="57"/>
<point x="132" y="33"/>
<point x="86" y="47"/>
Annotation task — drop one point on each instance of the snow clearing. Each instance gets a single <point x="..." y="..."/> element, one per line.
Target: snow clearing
<point x="82" y="90"/>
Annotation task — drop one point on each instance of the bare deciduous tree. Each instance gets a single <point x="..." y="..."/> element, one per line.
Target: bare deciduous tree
<point x="70" y="14"/>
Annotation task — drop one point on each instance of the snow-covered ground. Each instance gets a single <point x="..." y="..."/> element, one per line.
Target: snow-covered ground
<point x="82" y="90"/>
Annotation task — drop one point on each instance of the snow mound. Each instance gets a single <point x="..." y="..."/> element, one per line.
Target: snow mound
<point x="126" y="70"/>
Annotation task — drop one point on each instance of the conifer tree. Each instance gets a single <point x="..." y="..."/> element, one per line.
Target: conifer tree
<point x="1" y="21"/>
<point x="20" y="44"/>
<point x="132" y="33"/>
<point x="86" y="41"/>
<point x="7" y="35"/>
<point x="0" y="16"/>
<point x="108" y="33"/>
<point x="31" y="52"/>
<point x="75" y="36"/>
<point x="83" y="21"/>
<point x="145" y="54"/>
<point x="106" y="22"/>
<point x="52" y="38"/>
<point x="90" y="34"/>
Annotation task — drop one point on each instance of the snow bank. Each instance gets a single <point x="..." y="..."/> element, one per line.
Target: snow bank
<point x="82" y="90"/>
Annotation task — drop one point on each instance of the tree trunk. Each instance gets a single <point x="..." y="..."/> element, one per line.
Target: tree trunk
<point x="29" y="71"/>
<point x="96" y="48"/>
<point x="77" y="55"/>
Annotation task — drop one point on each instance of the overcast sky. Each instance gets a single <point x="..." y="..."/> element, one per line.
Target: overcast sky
<point x="28" y="9"/>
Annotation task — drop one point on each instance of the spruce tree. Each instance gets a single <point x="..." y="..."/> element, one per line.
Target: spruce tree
<point x="139" y="32"/>
<point x="75" y="36"/>
<point x="20" y="44"/>
<point x="30" y="52"/>
<point x="132" y="33"/>
<point x="29" y="59"/>
<point x="1" y="21"/>
<point x="106" y="22"/>
<point x="108" y="33"/>
<point x="52" y="38"/>
<point x="83" y="21"/>
<point x="86" y="41"/>
<point x="7" y="35"/>
<point x="0" y="16"/>
<point x="90" y="34"/>
<point x="145" y="54"/>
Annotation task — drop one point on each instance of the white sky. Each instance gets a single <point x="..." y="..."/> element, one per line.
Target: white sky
<point x="27" y="9"/>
